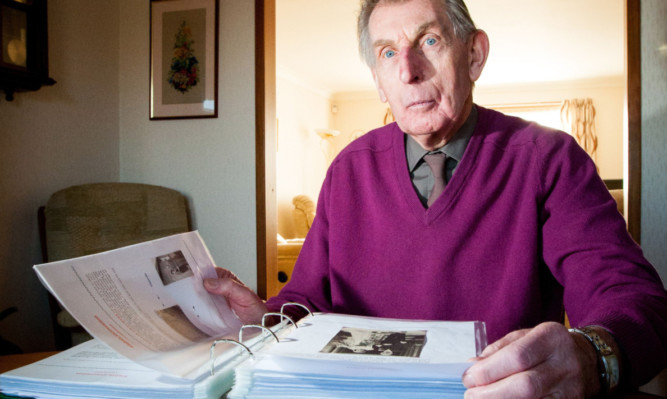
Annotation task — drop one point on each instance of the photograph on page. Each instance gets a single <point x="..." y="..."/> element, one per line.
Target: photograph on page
<point x="368" y="339"/>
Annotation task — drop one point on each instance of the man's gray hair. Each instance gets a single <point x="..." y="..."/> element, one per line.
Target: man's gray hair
<point x="456" y="10"/>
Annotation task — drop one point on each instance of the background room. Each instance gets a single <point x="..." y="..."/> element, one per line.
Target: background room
<point x="93" y="124"/>
<point x="542" y="55"/>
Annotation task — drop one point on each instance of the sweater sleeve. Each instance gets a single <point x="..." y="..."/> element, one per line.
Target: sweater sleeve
<point x="606" y="279"/>
<point x="309" y="284"/>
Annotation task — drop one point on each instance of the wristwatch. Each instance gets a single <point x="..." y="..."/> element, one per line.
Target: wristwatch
<point x="607" y="360"/>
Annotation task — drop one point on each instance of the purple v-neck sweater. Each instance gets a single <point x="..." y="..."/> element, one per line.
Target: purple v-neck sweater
<point x="524" y="227"/>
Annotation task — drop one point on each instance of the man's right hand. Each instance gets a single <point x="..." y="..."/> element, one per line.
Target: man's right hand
<point x="242" y="300"/>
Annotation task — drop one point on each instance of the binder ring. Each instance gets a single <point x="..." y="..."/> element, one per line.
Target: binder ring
<point x="282" y="308"/>
<point x="224" y="340"/>
<point x="282" y="315"/>
<point x="256" y="326"/>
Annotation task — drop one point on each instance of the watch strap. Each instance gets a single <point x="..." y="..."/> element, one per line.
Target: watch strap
<point x="608" y="368"/>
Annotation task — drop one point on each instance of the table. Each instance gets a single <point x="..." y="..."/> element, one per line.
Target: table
<point x="10" y="362"/>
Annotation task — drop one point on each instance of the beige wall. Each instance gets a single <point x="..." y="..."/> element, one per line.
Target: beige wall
<point x="93" y="126"/>
<point x="301" y="162"/>
<point x="211" y="160"/>
<point x="358" y="113"/>
<point x="58" y="136"/>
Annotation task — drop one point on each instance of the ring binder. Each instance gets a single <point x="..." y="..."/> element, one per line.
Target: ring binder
<point x="295" y="304"/>
<point x="225" y="340"/>
<point x="281" y="315"/>
<point x="256" y="326"/>
<point x="240" y="343"/>
<point x="312" y="361"/>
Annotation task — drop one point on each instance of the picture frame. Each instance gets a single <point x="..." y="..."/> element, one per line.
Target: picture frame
<point x="24" y="60"/>
<point x="183" y="59"/>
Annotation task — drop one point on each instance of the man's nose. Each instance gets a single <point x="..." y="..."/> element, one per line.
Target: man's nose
<point x="410" y="69"/>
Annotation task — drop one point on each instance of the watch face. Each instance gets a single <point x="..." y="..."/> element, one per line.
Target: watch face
<point x="611" y="365"/>
<point x="14" y="37"/>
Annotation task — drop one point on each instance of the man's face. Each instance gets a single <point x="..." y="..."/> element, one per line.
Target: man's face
<point x="422" y="69"/>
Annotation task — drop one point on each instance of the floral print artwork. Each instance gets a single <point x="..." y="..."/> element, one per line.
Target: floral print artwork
<point x="184" y="71"/>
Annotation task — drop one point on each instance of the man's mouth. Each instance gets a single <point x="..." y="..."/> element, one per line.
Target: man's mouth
<point x="420" y="104"/>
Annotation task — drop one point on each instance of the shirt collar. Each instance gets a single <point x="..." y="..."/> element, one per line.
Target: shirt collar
<point x="453" y="149"/>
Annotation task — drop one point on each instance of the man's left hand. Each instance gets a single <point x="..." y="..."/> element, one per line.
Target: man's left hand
<point x="543" y="362"/>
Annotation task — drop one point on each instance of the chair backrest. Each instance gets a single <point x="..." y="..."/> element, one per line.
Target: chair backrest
<point x="303" y="214"/>
<point x="90" y="218"/>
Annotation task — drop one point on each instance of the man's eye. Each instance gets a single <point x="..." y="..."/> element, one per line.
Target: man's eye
<point x="430" y="41"/>
<point x="389" y="53"/>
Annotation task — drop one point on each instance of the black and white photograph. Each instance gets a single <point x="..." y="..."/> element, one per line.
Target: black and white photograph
<point x="172" y="267"/>
<point x="373" y="342"/>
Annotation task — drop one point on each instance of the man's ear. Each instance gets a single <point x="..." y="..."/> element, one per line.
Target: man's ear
<point x="383" y="98"/>
<point x="479" y="52"/>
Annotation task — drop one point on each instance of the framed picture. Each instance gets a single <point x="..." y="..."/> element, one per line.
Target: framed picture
<point x="24" y="62"/>
<point x="184" y="59"/>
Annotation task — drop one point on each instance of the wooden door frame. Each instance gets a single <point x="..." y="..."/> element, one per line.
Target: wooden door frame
<point x="633" y="90"/>
<point x="265" y="134"/>
<point x="265" y="142"/>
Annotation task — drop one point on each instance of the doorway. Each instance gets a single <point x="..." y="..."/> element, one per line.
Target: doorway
<point x="266" y="134"/>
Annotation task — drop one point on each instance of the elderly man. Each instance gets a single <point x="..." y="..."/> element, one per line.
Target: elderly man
<point x="457" y="212"/>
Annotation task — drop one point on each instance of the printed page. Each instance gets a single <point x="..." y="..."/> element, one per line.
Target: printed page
<point x="146" y="301"/>
<point x="365" y="339"/>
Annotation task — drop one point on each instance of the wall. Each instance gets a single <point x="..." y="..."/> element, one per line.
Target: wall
<point x="302" y="155"/>
<point x="211" y="160"/>
<point x="301" y="162"/>
<point x="50" y="139"/>
<point x="358" y="113"/>
<point x="654" y="139"/>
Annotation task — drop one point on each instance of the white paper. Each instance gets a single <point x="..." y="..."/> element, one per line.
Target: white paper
<point x="146" y="301"/>
<point x="342" y="356"/>
<point x="92" y="369"/>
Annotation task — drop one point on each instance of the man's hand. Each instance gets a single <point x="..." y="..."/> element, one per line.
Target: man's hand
<point x="244" y="302"/>
<point x="543" y="362"/>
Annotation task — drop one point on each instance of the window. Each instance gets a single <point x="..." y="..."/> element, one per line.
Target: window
<point x="546" y="114"/>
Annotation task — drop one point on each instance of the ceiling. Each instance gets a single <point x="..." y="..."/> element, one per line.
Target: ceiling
<point x="531" y="41"/>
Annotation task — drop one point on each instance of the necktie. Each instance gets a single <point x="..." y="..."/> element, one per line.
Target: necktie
<point x="436" y="162"/>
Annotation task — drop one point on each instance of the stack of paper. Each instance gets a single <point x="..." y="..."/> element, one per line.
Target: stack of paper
<point x="93" y="370"/>
<point x="283" y="377"/>
<point x="338" y="356"/>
